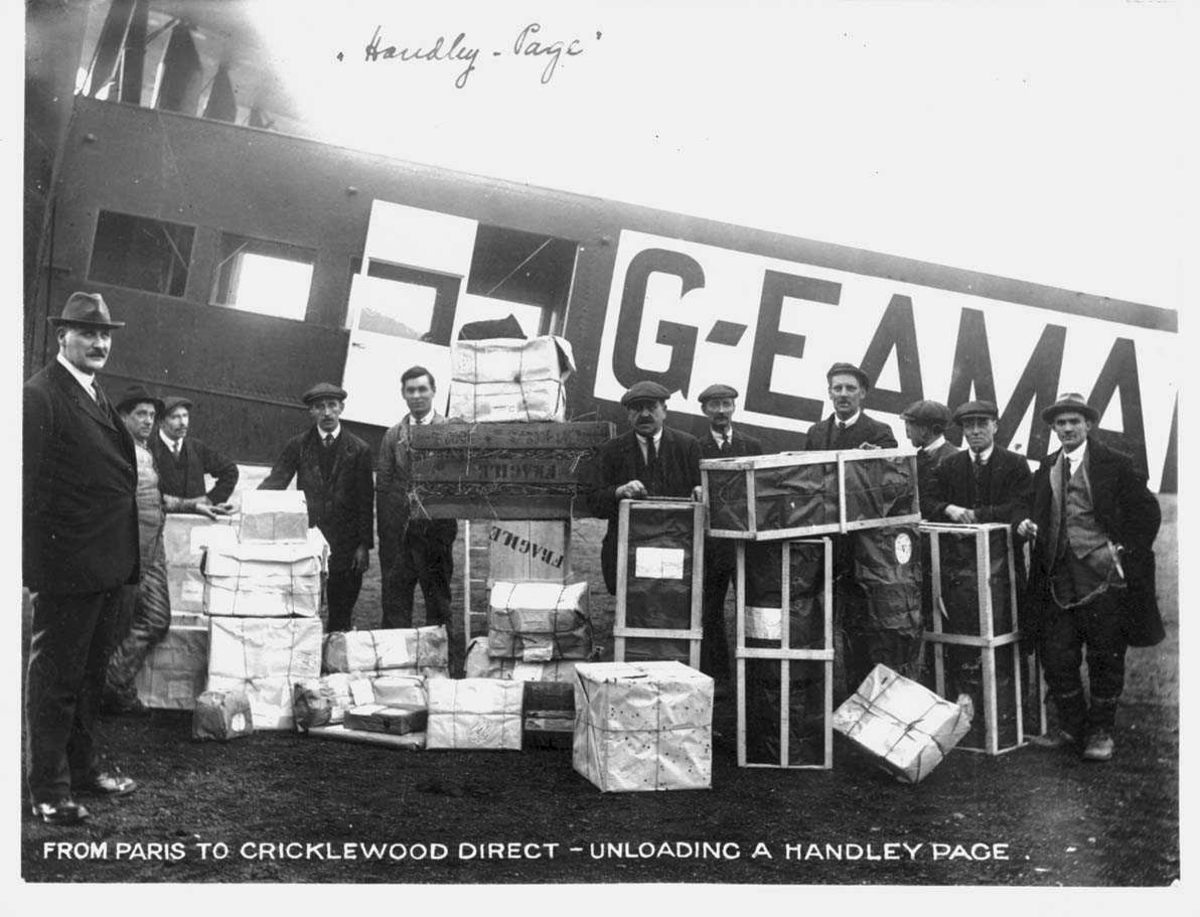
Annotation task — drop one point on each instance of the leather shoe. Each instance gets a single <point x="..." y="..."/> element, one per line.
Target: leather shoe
<point x="63" y="812"/>
<point x="1100" y="747"/>
<point x="1061" y="739"/>
<point x="110" y="785"/>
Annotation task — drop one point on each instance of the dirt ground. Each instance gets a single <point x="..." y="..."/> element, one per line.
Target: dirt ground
<point x="279" y="807"/>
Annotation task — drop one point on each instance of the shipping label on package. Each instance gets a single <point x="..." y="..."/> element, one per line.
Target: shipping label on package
<point x="659" y="563"/>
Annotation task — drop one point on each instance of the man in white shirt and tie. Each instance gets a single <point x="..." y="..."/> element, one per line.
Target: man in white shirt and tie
<point x="183" y="460"/>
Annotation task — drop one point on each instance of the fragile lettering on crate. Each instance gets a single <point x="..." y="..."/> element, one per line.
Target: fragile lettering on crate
<point x="515" y="542"/>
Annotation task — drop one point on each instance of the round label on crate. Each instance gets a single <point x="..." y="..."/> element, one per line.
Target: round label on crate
<point x="238" y="722"/>
<point x="903" y="548"/>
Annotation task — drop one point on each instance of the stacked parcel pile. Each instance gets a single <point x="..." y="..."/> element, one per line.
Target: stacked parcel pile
<point x="262" y="592"/>
<point x="377" y="686"/>
<point x="175" y="670"/>
<point x="546" y="625"/>
<point x="868" y="498"/>
<point x="973" y="637"/>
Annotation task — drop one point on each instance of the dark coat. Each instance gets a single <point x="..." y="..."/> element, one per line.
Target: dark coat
<point x="954" y="483"/>
<point x="865" y="430"/>
<point x="619" y="461"/>
<point x="342" y="506"/>
<point x="80" y="477"/>
<point x="927" y="463"/>
<point x="1130" y="516"/>
<point x="184" y="476"/>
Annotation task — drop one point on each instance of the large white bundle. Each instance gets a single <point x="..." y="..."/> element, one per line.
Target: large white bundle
<point x="502" y="379"/>
<point x="643" y="726"/>
<point x="418" y="648"/>
<point x="474" y="713"/>
<point x="186" y="535"/>
<point x="264" y="657"/>
<point x="539" y="622"/>
<point x="273" y="516"/>
<point x="906" y="727"/>
<point x="174" y="673"/>
<point x="479" y="664"/>
<point x="264" y="580"/>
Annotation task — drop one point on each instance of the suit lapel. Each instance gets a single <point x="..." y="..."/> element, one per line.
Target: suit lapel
<point x="82" y="400"/>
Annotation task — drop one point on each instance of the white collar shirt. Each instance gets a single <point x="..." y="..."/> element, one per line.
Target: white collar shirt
<point x="87" y="380"/>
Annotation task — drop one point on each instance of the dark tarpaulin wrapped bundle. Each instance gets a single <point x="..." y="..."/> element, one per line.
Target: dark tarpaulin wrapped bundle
<point x="964" y="675"/>
<point x="960" y="590"/>
<point x="789" y="496"/>
<point x="763" y="592"/>
<point x="806" y="712"/>
<point x="660" y="547"/>
<point x="880" y="489"/>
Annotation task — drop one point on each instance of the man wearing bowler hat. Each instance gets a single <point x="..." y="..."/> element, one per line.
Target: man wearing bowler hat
<point x="151" y="606"/>
<point x="718" y="402"/>
<point x="334" y="469"/>
<point x="925" y="425"/>
<point x="982" y="483"/>
<point x="79" y="553"/>
<point x="1093" y="522"/>
<point x="848" y="427"/>
<point x="651" y="460"/>
<point x="183" y="460"/>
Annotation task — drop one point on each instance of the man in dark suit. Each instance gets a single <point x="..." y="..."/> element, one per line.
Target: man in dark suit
<point x="720" y="561"/>
<point x="1094" y="523"/>
<point x="80" y="552"/>
<point x="925" y="425"/>
<point x="848" y="427"/>
<point x="183" y="461"/>
<point x="982" y="483"/>
<point x="651" y="460"/>
<point x="333" y="468"/>
<point x="411" y="551"/>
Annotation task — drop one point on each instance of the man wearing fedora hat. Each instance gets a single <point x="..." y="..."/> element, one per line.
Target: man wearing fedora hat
<point x="719" y="402"/>
<point x="1093" y="521"/>
<point x="79" y="552"/>
<point x="334" y="469"/>
<point x="151" y="607"/>
<point x="848" y="427"/>
<point x="982" y="483"/>
<point x="183" y="460"/>
<point x="651" y="460"/>
<point x="925" y="425"/>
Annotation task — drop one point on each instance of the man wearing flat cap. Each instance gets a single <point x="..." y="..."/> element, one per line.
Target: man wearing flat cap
<point x="150" y="616"/>
<point x="183" y="460"/>
<point x="718" y="402"/>
<point x="651" y="460"/>
<point x="925" y="425"/>
<point x="79" y="553"/>
<point x="334" y="469"/>
<point x="1093" y="522"/>
<point x="848" y="427"/>
<point x="982" y="483"/>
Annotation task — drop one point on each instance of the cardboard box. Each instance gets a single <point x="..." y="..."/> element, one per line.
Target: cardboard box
<point x="797" y="494"/>
<point x="408" y="648"/>
<point x="539" y="622"/>
<point x="186" y="535"/>
<point x="527" y="550"/>
<point x="474" y="713"/>
<point x="643" y="726"/>
<point x="222" y="715"/>
<point x="903" y="725"/>
<point x="265" y="580"/>
<point x="273" y="517"/>
<point x="175" y="670"/>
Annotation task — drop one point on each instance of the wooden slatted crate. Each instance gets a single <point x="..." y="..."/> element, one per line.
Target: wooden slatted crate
<point x="974" y="634"/>
<point x="799" y="494"/>
<point x="815" y="651"/>
<point x="660" y="578"/>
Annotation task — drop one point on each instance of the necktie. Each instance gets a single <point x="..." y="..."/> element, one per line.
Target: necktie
<point x="175" y="448"/>
<point x="840" y="436"/>
<point x="725" y="442"/>
<point x="651" y="454"/>
<point x="328" y="440"/>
